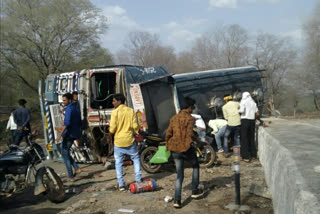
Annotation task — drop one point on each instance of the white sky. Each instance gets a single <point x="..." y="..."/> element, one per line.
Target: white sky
<point x="179" y="22"/>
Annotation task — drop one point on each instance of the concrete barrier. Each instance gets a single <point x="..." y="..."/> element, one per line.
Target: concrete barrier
<point x="290" y="193"/>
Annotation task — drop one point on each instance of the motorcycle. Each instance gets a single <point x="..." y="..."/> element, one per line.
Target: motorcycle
<point x="24" y="161"/>
<point x="148" y="146"/>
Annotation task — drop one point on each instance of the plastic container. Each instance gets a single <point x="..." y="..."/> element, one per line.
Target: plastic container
<point x="147" y="185"/>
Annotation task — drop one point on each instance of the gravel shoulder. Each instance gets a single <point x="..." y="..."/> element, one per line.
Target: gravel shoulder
<point x="95" y="192"/>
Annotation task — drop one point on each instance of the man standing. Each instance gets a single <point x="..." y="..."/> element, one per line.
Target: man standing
<point x="219" y="128"/>
<point x="22" y="118"/>
<point x="124" y="126"/>
<point x="249" y="111"/>
<point x="231" y="114"/>
<point x="179" y="137"/>
<point x="12" y="126"/>
<point x="70" y="131"/>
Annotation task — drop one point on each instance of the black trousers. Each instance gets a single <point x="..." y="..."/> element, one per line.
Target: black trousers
<point x="248" y="149"/>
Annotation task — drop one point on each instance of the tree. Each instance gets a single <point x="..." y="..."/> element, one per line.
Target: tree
<point x="277" y="56"/>
<point x="185" y="63"/>
<point x="312" y="55"/>
<point x="94" y="55"/>
<point x="41" y="37"/>
<point x="145" y="49"/>
<point x="221" y="47"/>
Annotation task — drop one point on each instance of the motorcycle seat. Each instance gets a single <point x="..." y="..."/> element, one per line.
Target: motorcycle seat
<point x="155" y="137"/>
<point x="17" y="148"/>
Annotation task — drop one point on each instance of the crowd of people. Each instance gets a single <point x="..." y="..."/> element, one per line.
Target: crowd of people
<point x="238" y="121"/>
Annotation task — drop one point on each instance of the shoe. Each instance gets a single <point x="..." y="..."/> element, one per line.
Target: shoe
<point x="197" y="193"/>
<point x="177" y="204"/>
<point x="78" y="171"/>
<point x="220" y="151"/>
<point x="122" y="189"/>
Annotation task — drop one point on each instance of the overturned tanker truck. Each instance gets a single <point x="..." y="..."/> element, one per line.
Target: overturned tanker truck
<point x="152" y="92"/>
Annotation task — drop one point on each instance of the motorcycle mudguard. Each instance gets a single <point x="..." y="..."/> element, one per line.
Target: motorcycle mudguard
<point x="39" y="188"/>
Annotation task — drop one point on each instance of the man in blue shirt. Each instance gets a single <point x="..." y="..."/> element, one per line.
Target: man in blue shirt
<point x="70" y="131"/>
<point x="22" y="117"/>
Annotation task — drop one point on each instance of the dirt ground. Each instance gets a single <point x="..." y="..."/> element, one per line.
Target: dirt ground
<point x="95" y="192"/>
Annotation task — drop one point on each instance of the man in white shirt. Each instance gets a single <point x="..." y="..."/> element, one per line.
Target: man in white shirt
<point x="11" y="125"/>
<point x="219" y="127"/>
<point x="248" y="110"/>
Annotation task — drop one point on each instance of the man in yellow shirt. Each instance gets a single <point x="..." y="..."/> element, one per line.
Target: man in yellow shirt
<point x="231" y="114"/>
<point x="124" y="126"/>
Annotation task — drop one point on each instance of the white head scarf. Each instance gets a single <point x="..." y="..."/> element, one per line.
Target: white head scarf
<point x="245" y="95"/>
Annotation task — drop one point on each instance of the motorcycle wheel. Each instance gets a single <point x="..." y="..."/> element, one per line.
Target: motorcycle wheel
<point x="145" y="158"/>
<point x="207" y="156"/>
<point x="55" y="193"/>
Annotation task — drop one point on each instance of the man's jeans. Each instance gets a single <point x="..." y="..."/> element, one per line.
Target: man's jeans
<point x="13" y="134"/>
<point x="235" y="130"/>
<point x="219" y="135"/>
<point x="19" y="134"/>
<point x="68" y="160"/>
<point x="179" y="161"/>
<point x="133" y="152"/>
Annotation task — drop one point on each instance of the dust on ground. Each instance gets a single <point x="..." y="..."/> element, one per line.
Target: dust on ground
<point x="96" y="192"/>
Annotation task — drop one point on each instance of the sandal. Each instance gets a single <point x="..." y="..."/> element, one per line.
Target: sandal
<point x="72" y="179"/>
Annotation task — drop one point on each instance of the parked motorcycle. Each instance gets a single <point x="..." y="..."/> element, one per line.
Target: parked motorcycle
<point x="148" y="146"/>
<point x="24" y="161"/>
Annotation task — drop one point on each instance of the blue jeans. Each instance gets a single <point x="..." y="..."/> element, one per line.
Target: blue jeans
<point x="19" y="134"/>
<point x="68" y="160"/>
<point x="13" y="134"/>
<point x="179" y="158"/>
<point x="235" y="130"/>
<point x="219" y="135"/>
<point x="133" y="152"/>
<point x="201" y="134"/>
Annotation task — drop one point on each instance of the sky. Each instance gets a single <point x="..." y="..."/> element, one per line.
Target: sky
<point x="180" y="22"/>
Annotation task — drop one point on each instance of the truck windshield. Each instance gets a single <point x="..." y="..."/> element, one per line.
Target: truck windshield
<point x="103" y="86"/>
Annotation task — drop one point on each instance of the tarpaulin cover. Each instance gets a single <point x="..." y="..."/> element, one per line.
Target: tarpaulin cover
<point x="135" y="74"/>
<point x="204" y="85"/>
<point x="159" y="104"/>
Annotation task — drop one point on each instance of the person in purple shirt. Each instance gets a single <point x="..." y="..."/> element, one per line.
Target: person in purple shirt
<point x="70" y="131"/>
<point x="22" y="118"/>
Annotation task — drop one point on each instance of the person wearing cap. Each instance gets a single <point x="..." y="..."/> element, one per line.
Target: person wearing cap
<point x="249" y="111"/>
<point x="231" y="114"/>
<point x="22" y="118"/>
